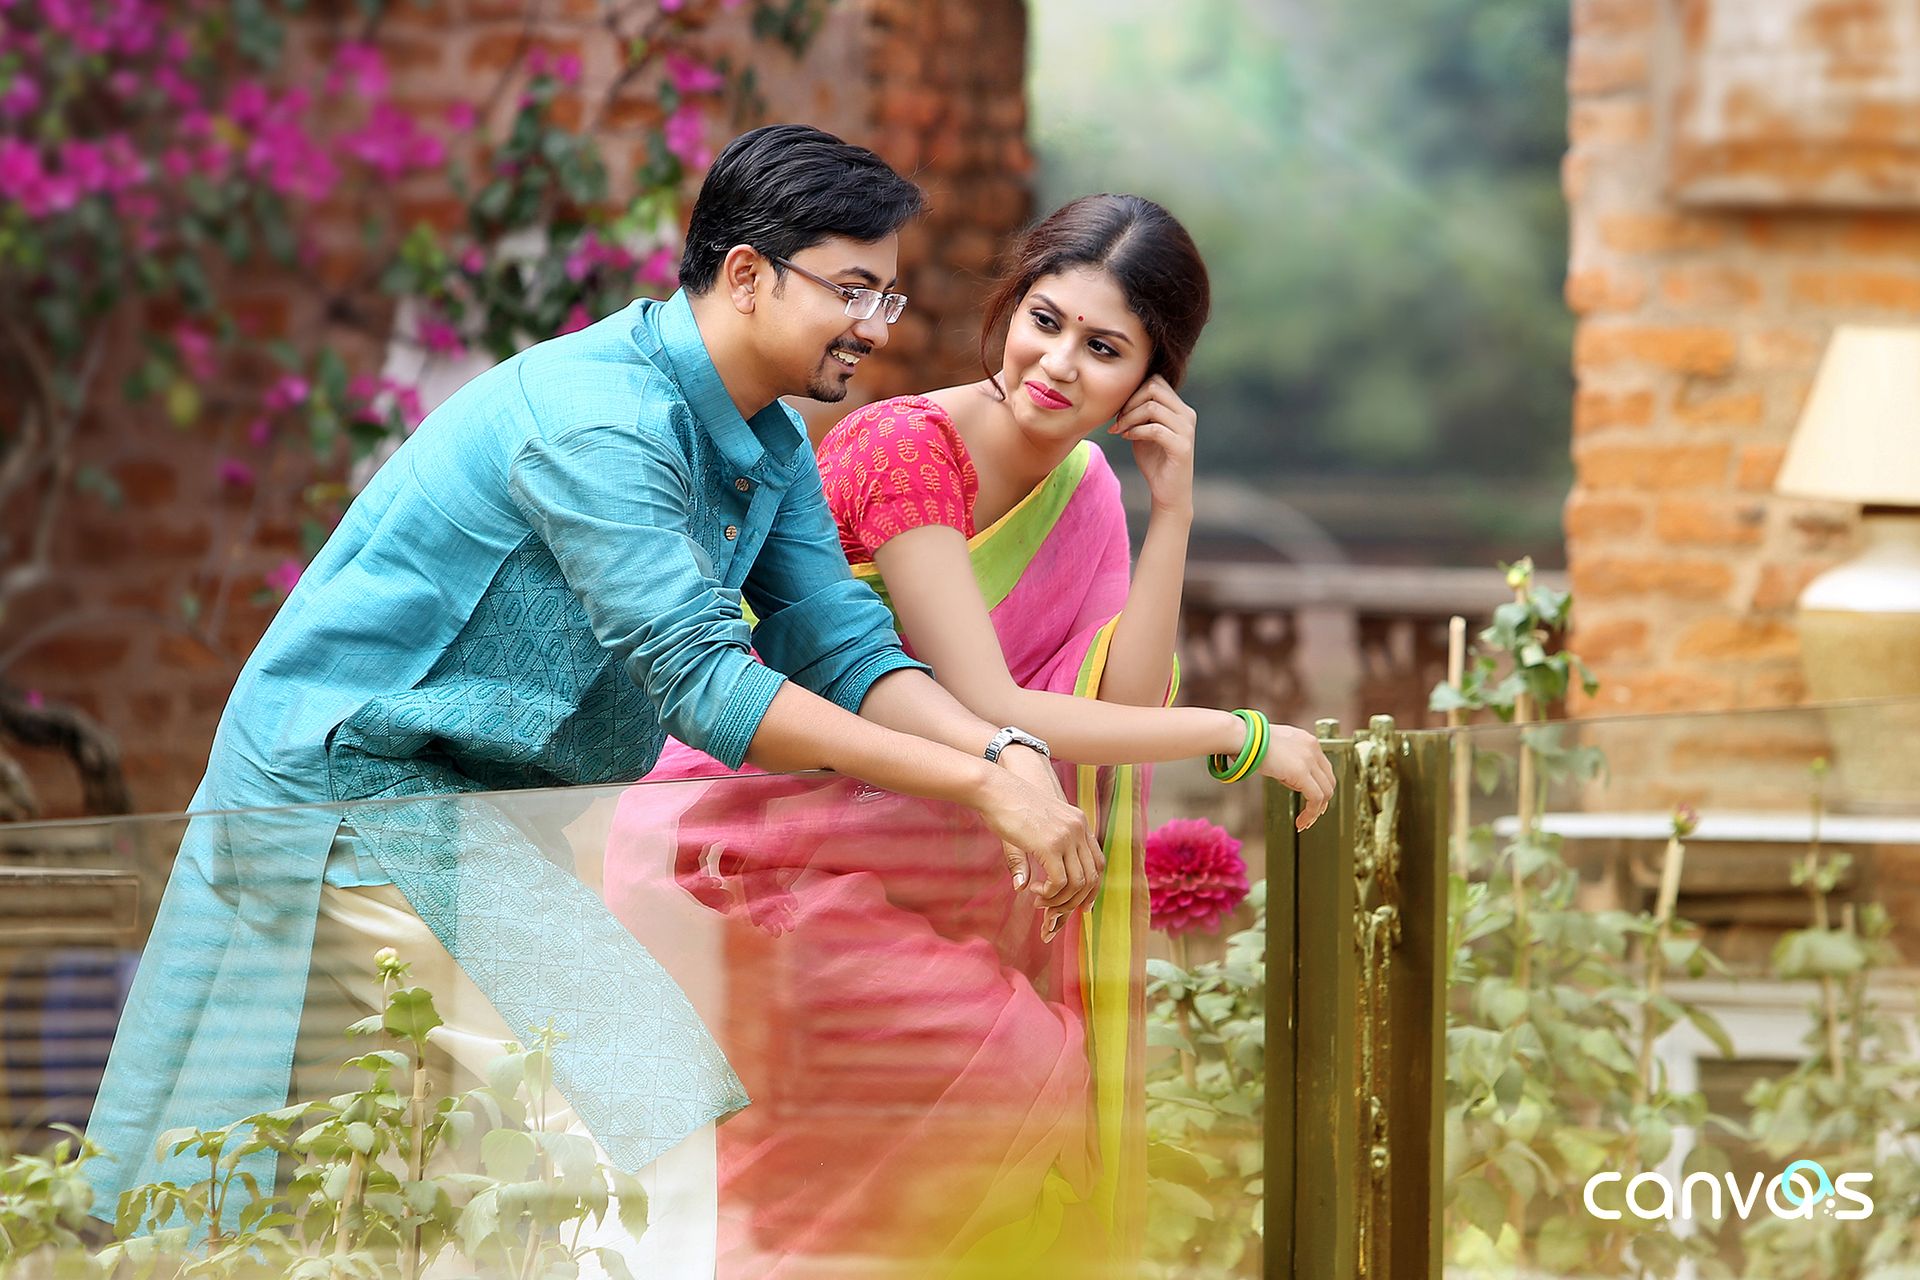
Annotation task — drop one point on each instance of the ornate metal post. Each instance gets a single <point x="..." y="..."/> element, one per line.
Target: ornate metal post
<point x="1356" y="909"/>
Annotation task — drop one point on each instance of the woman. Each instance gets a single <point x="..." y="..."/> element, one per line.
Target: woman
<point x="994" y="531"/>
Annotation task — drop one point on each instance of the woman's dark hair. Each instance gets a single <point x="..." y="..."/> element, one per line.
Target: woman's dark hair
<point x="1142" y="246"/>
<point x="785" y="187"/>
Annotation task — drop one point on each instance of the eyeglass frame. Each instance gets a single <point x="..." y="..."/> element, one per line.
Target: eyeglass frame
<point x="889" y="306"/>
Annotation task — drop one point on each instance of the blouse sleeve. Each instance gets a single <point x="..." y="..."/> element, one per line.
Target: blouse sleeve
<point x="894" y="466"/>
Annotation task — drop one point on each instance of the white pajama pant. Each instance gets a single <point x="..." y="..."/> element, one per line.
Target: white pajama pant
<point x="679" y="1242"/>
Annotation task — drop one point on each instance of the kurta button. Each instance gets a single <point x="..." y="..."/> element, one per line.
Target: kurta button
<point x="732" y="531"/>
<point x="743" y="484"/>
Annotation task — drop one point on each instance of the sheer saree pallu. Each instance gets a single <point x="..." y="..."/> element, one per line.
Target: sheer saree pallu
<point x="934" y="1088"/>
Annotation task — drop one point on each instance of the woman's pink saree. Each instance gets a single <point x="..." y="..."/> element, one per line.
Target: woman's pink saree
<point x="933" y="1088"/>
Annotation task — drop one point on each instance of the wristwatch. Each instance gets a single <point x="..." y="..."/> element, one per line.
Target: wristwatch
<point x="1008" y="737"/>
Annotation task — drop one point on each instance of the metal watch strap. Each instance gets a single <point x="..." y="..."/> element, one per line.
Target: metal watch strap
<point x="1008" y="737"/>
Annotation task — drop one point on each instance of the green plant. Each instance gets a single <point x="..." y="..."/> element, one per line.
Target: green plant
<point x="1205" y="1107"/>
<point x="381" y="1181"/>
<point x="1553" y="1008"/>
<point x="1853" y="1103"/>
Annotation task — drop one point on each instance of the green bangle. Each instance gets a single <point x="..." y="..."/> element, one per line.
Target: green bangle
<point x="1251" y="755"/>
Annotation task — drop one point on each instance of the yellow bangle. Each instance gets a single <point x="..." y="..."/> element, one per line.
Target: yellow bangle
<point x="1251" y="755"/>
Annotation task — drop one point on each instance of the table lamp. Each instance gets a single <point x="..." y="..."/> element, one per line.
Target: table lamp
<point x="1858" y="440"/>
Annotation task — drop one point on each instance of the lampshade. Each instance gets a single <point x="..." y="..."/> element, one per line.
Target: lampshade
<point x="1859" y="436"/>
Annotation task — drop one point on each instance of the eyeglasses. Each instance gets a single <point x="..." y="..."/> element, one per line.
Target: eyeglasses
<point x="861" y="303"/>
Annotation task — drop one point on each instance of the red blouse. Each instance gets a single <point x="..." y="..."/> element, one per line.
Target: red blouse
<point x="893" y="466"/>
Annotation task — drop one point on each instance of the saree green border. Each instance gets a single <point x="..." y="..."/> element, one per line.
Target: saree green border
<point x="1002" y="551"/>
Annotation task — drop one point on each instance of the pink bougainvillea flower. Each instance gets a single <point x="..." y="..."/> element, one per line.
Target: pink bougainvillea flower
<point x="684" y="132"/>
<point x="566" y="68"/>
<point x="284" y="576"/>
<point x="462" y="116"/>
<point x="292" y="390"/>
<point x="358" y="69"/>
<point x="196" y="351"/>
<point x="438" y="335"/>
<point x="391" y="143"/>
<point x="235" y="474"/>
<point x="577" y="319"/>
<point x="21" y="97"/>
<point x="260" y="432"/>
<point x="474" y="260"/>
<point x="1195" y="875"/>
<point x="691" y="77"/>
<point x="662" y="266"/>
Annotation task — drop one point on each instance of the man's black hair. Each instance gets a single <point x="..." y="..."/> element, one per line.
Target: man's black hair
<point x="784" y="187"/>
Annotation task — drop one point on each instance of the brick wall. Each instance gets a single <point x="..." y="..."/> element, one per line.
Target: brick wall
<point x="938" y="90"/>
<point x="1717" y="237"/>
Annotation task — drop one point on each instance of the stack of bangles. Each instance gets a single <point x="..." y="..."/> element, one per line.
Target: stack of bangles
<point x="1259" y="733"/>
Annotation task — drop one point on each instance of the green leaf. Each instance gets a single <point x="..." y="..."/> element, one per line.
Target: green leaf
<point x="1481" y="1205"/>
<point x="508" y="1154"/>
<point x="632" y="1200"/>
<point x="361" y="1137"/>
<point x="410" y="1014"/>
<point x="1562" y="1245"/>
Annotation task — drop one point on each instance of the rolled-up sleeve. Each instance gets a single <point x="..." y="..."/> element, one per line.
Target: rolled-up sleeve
<point x="818" y="623"/>
<point x="612" y="504"/>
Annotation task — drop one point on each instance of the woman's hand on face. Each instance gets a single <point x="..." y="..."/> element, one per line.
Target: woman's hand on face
<point x="1295" y="759"/>
<point x="1160" y="426"/>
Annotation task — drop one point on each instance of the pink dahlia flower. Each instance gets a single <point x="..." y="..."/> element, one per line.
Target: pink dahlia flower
<point x="1195" y="875"/>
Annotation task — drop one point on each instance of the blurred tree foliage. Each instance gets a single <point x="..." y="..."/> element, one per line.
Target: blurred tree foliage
<point x="1376" y="187"/>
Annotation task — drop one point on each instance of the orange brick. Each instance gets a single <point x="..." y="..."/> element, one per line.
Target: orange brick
<point x="1786" y="687"/>
<point x="1661" y="232"/>
<point x="1611" y="18"/>
<point x="498" y="50"/>
<point x="1726" y="639"/>
<point x="1664" y="691"/>
<point x="1593" y="70"/>
<point x="1611" y="640"/>
<point x="1822" y="527"/>
<point x="1723" y="409"/>
<point x="1710" y="286"/>
<point x="1710" y="522"/>
<point x="1653" y="466"/>
<point x="1885" y="290"/>
<point x="1617" y="577"/>
<point x="1587" y="516"/>
<point x="146" y="482"/>
<point x="1708" y="352"/>
<point x="1618" y="122"/>
<point x="1601" y="290"/>
<point x="1780" y="585"/>
<point x="1891" y="234"/>
<point x="1757" y="742"/>
<point x="1575" y="169"/>
<point x="1603" y="410"/>
<point x="1757" y="465"/>
<point x="1773" y="349"/>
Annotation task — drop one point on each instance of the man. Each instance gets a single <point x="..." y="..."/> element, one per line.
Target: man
<point x="542" y="583"/>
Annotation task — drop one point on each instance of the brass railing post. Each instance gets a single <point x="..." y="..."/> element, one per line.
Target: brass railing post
<point x="1356" y="917"/>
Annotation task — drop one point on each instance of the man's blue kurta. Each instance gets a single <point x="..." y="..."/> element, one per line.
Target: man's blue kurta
<point x="540" y="585"/>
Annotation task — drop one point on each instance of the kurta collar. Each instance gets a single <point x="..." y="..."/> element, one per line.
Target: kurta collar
<point x="751" y="446"/>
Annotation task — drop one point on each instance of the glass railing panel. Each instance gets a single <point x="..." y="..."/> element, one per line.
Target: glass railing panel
<point x="809" y="1024"/>
<point x="1701" y="977"/>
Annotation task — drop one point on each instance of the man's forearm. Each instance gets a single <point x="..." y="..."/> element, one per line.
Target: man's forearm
<point x="914" y="740"/>
<point x="909" y="701"/>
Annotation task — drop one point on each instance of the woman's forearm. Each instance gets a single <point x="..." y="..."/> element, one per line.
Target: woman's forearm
<point x="1087" y="731"/>
<point x="1140" y="662"/>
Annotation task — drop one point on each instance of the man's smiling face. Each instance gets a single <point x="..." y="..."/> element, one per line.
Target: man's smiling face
<point x="811" y="341"/>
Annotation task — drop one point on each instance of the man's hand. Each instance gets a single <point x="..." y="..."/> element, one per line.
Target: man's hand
<point x="1050" y="848"/>
<point x="1031" y="767"/>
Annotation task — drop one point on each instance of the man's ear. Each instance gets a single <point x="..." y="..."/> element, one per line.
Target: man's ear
<point x="739" y="273"/>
